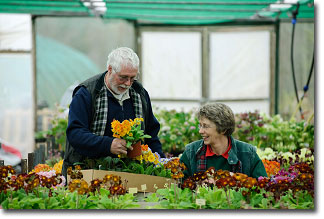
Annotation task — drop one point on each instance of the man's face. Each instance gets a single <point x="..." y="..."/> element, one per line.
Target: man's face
<point x="120" y="82"/>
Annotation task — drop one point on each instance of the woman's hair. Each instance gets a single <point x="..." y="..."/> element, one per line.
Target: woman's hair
<point x="221" y="115"/>
<point x="122" y="56"/>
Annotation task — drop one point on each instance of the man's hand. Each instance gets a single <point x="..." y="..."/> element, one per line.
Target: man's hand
<point x="118" y="146"/>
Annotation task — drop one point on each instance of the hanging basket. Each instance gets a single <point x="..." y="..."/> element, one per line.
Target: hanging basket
<point x="137" y="150"/>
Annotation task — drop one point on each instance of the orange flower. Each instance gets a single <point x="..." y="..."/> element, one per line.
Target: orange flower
<point x="271" y="167"/>
<point x="129" y="130"/>
<point x="41" y="168"/>
<point x="144" y="147"/>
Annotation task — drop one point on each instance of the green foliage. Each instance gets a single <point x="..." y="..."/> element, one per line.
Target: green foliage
<point x="168" y="198"/>
<point x="177" y="129"/>
<point x="59" y="125"/>
<point x="225" y="198"/>
<point x="137" y="134"/>
<point x="273" y="132"/>
<point x="152" y="198"/>
<point x="175" y="198"/>
<point x="63" y="199"/>
<point x="125" y="165"/>
<point x="180" y="128"/>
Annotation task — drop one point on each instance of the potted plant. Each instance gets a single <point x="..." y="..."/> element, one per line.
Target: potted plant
<point x="130" y="130"/>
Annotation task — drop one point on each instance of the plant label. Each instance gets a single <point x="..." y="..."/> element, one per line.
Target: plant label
<point x="132" y="190"/>
<point x="200" y="202"/>
<point x="143" y="187"/>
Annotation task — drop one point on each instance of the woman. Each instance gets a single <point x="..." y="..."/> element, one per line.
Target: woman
<point x="218" y="148"/>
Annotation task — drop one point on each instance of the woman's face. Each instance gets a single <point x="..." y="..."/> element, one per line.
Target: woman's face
<point x="207" y="130"/>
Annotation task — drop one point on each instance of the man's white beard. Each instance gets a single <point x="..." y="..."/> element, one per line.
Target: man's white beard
<point x="114" y="87"/>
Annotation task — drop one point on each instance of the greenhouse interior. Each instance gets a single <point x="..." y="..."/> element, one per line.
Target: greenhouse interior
<point x="226" y="111"/>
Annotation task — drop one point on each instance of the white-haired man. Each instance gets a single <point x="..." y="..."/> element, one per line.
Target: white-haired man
<point x="96" y="102"/>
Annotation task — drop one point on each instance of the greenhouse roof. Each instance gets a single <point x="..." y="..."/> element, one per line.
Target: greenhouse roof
<point x="57" y="68"/>
<point x="181" y="12"/>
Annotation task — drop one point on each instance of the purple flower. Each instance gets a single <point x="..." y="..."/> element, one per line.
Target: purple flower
<point x="47" y="174"/>
<point x="261" y="178"/>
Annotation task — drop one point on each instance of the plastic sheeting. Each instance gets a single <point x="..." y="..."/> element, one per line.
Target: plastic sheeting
<point x="172" y="64"/>
<point x="15" y="32"/>
<point x="240" y="65"/>
<point x="16" y="108"/>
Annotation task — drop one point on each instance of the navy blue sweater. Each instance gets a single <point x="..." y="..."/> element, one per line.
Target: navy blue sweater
<point x="93" y="146"/>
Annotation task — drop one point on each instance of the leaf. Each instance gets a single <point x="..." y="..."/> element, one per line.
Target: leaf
<point x="107" y="160"/>
<point x="78" y="163"/>
<point x="129" y="144"/>
<point x="152" y="198"/>
<point x="140" y="169"/>
<point x="149" y="170"/>
<point x="146" y="136"/>
<point x="264" y="203"/>
<point x="104" y="192"/>
<point x="106" y="203"/>
<point x="256" y="200"/>
<point x="163" y="192"/>
<point x="134" y="167"/>
<point x="185" y="205"/>
<point x="163" y="173"/>
<point x="5" y="203"/>
<point x="53" y="203"/>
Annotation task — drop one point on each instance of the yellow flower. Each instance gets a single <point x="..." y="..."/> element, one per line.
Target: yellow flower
<point x="139" y="158"/>
<point x="156" y="161"/>
<point x="151" y="158"/>
<point x="58" y="167"/>
<point x="145" y="157"/>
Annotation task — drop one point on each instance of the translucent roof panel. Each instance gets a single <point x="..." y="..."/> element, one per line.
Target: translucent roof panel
<point x="179" y="12"/>
<point x="58" y="68"/>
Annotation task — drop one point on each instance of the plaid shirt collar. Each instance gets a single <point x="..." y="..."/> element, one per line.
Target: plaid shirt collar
<point x="101" y="110"/>
<point x="202" y="158"/>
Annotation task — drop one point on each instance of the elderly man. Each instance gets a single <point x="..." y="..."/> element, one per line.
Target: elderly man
<point x="114" y="94"/>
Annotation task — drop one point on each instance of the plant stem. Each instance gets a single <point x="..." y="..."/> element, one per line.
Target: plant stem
<point x="175" y="191"/>
<point x="308" y="121"/>
<point x="228" y="196"/>
<point x="77" y="201"/>
<point x="295" y="112"/>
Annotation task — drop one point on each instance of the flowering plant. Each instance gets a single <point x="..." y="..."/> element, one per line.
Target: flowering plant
<point x="148" y="156"/>
<point x="178" y="129"/>
<point x="129" y="130"/>
<point x="271" y="167"/>
<point x="41" y="168"/>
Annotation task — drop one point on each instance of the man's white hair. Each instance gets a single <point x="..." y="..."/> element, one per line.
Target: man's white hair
<point x="122" y="56"/>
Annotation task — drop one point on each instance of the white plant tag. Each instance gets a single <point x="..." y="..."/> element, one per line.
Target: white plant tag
<point x="132" y="190"/>
<point x="200" y="202"/>
<point x="143" y="187"/>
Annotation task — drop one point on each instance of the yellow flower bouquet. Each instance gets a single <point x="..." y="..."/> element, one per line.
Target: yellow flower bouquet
<point x="129" y="130"/>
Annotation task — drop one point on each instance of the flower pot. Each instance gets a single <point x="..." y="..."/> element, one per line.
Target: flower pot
<point x="137" y="150"/>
